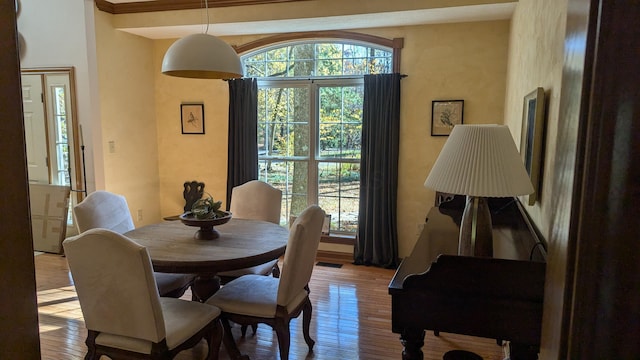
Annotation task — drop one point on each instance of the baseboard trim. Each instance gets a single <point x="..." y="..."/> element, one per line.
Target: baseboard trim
<point x="335" y="255"/>
<point x="338" y="239"/>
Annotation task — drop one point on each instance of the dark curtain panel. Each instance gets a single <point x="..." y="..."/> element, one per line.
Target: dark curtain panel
<point x="377" y="242"/>
<point x="243" y="133"/>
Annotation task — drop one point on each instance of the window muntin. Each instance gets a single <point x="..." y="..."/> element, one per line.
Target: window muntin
<point x="318" y="59"/>
<point x="310" y="123"/>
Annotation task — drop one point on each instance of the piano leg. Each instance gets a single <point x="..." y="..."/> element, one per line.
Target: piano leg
<point x="522" y="352"/>
<point x="412" y="340"/>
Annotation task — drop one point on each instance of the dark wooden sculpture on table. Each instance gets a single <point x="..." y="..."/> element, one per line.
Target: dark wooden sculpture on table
<point x="193" y="191"/>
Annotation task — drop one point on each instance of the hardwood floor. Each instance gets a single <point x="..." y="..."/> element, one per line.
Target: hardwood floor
<point x="351" y="319"/>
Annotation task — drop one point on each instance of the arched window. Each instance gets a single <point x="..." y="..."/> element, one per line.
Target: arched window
<point x="318" y="59"/>
<point x="310" y="118"/>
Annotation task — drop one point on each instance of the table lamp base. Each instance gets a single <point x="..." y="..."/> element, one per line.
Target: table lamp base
<point x="476" y="237"/>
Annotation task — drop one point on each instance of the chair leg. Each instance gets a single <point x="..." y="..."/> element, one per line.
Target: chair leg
<point x="91" y="345"/>
<point x="214" y="340"/>
<point x="243" y="329"/>
<point x="284" y="337"/>
<point x="230" y="343"/>
<point x="306" y="322"/>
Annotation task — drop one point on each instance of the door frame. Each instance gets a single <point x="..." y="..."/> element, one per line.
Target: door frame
<point x="76" y="144"/>
<point x="19" y="302"/>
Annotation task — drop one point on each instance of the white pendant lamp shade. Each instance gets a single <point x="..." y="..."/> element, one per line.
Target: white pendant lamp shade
<point x="480" y="160"/>
<point x="202" y="56"/>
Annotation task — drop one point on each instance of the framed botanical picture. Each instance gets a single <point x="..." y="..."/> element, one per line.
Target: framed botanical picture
<point x="192" y="118"/>
<point x="532" y="137"/>
<point x="445" y="114"/>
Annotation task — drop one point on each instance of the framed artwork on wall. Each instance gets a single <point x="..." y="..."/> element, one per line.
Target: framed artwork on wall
<point x="192" y="118"/>
<point x="532" y="137"/>
<point x="445" y="114"/>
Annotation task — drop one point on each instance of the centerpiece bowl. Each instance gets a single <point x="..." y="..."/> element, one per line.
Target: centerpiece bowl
<point x="207" y="231"/>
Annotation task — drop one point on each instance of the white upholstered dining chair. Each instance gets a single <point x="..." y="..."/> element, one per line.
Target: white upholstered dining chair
<point x="255" y="200"/>
<point x="135" y="322"/>
<point x="252" y="299"/>
<point x="104" y="209"/>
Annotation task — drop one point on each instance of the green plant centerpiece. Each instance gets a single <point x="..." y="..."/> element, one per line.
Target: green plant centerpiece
<point x="205" y="214"/>
<point x="206" y="208"/>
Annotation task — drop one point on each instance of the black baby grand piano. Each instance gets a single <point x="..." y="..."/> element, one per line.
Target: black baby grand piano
<point x="499" y="298"/>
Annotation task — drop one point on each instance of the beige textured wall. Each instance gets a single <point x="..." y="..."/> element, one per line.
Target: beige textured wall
<point x="127" y="108"/>
<point x="189" y="157"/>
<point x="448" y="61"/>
<point x="451" y="61"/>
<point x="54" y="43"/>
<point x="536" y="57"/>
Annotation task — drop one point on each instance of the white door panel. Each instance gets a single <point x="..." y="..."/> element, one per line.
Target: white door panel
<point x="35" y="129"/>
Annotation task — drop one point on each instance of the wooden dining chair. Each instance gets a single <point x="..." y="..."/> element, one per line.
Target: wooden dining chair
<point x="255" y="200"/>
<point x="193" y="191"/>
<point x="103" y="209"/>
<point x="141" y="324"/>
<point x="252" y="299"/>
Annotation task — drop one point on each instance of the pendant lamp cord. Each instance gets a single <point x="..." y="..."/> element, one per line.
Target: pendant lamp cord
<point x="206" y="7"/>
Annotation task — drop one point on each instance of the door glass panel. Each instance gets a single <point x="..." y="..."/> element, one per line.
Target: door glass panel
<point x="60" y="168"/>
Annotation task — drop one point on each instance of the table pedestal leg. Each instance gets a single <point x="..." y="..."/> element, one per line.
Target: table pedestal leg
<point x="412" y="340"/>
<point x="204" y="286"/>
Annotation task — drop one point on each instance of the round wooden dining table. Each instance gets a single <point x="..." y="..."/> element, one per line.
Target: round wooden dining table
<point x="242" y="243"/>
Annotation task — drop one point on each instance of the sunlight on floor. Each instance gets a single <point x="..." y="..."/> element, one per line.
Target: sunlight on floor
<point x="61" y="303"/>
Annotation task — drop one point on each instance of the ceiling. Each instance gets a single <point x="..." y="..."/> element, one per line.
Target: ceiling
<point x="484" y="12"/>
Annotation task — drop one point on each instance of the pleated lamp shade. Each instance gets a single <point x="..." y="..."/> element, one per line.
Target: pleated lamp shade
<point x="202" y="56"/>
<point x="480" y="160"/>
